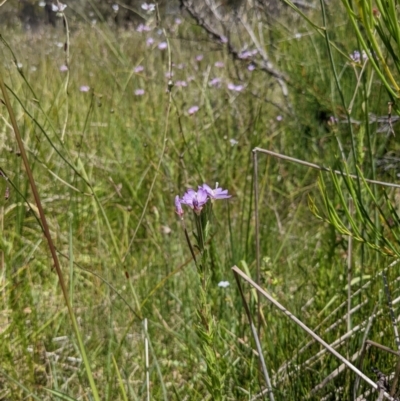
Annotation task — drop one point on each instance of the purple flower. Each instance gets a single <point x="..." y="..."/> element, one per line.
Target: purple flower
<point x="162" y="45"/>
<point x="195" y="200"/>
<point x="332" y="120"/>
<point x="149" y="41"/>
<point x="169" y="74"/>
<point x="279" y="118"/>
<point x="178" y="206"/>
<point x="219" y="64"/>
<point x="251" y="67"/>
<point x="181" y="83"/>
<point x="139" y="92"/>
<point x="356" y="56"/>
<point x="178" y="21"/>
<point x="245" y="54"/>
<point x="84" y="88"/>
<point x="138" y="68"/>
<point x="236" y="88"/>
<point x="143" y="28"/>
<point x="217" y="193"/>
<point x="199" y="57"/>
<point x="193" y="109"/>
<point x="63" y="68"/>
<point x="216" y="82"/>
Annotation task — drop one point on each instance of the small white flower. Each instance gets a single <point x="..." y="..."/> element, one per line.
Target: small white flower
<point x="115" y="7"/>
<point x="233" y="142"/>
<point x="42" y="3"/>
<point x="59" y="7"/>
<point x="223" y="284"/>
<point x="148" y="7"/>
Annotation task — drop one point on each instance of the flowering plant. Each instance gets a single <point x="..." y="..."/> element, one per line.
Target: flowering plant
<point x="196" y="200"/>
<point x="201" y="202"/>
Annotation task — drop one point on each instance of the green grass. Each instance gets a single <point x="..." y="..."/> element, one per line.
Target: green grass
<point x="108" y="191"/>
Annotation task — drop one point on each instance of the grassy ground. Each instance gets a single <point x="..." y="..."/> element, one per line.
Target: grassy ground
<point x="108" y="163"/>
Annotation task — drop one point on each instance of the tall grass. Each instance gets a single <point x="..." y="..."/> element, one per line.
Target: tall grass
<point x="108" y="187"/>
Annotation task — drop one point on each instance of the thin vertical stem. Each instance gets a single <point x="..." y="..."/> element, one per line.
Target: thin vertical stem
<point x="146" y="356"/>
<point x="257" y="224"/>
<point x="349" y="269"/>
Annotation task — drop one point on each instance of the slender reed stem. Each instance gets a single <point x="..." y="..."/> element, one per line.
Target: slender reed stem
<point x="257" y="224"/>
<point x="146" y="354"/>
<point x="349" y="270"/>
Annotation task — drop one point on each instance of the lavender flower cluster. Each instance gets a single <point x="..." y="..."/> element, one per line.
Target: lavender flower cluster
<point x="357" y="57"/>
<point x="196" y="200"/>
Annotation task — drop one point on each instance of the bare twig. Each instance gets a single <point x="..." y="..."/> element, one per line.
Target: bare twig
<point x="382" y="347"/>
<point x="264" y="65"/>
<point x="322" y="168"/>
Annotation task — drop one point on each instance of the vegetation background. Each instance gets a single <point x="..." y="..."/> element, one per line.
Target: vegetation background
<point x="121" y="109"/>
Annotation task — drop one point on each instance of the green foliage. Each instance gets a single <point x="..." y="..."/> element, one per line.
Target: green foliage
<point x="108" y="184"/>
